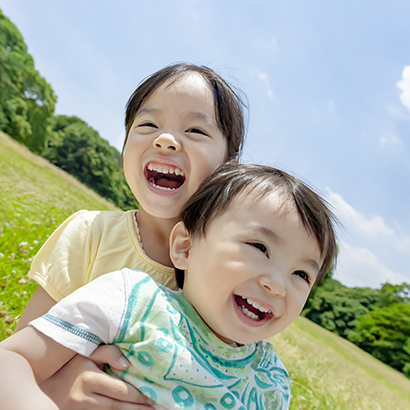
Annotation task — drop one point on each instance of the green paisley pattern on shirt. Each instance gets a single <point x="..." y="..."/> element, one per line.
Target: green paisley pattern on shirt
<point x="179" y="363"/>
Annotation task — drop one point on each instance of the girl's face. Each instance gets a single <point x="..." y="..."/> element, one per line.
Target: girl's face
<point x="174" y="143"/>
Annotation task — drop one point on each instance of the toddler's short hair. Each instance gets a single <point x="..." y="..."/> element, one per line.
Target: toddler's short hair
<point x="231" y="181"/>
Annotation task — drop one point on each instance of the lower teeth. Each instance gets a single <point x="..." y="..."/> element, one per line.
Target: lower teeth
<point x="249" y="313"/>
<point x="161" y="187"/>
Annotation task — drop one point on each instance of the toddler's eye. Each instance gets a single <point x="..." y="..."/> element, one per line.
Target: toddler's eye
<point x="303" y="275"/>
<point x="197" y="131"/>
<point x="261" y="247"/>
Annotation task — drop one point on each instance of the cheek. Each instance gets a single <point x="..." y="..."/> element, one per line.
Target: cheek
<point x="298" y="301"/>
<point x="222" y="153"/>
<point x="129" y="164"/>
<point x="209" y="164"/>
<point x="128" y="150"/>
<point x="217" y="154"/>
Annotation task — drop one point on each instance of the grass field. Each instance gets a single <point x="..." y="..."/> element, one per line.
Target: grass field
<point x="327" y="372"/>
<point x="35" y="198"/>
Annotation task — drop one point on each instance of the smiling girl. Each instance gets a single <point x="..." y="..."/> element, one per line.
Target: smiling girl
<point x="182" y="122"/>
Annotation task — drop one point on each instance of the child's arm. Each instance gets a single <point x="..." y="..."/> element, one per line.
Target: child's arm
<point x="19" y="389"/>
<point x="60" y="265"/>
<point x="40" y="302"/>
<point x="80" y="383"/>
<point x="28" y="358"/>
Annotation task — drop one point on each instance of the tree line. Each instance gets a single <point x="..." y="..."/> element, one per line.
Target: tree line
<point x="27" y="114"/>
<point x="377" y="321"/>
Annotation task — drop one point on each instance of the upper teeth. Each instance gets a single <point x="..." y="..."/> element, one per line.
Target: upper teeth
<point x="165" y="169"/>
<point x="257" y="306"/>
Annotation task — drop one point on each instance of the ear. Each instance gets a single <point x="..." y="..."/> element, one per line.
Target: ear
<point x="179" y="246"/>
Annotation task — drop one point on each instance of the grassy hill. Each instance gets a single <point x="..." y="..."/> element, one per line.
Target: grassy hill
<point x="327" y="372"/>
<point x="35" y="197"/>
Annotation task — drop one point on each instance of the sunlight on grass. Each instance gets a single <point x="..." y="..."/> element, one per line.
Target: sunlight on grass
<point x="328" y="372"/>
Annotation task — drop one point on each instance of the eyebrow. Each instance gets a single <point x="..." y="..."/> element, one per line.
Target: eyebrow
<point x="198" y="115"/>
<point x="266" y="232"/>
<point x="146" y="111"/>
<point x="313" y="264"/>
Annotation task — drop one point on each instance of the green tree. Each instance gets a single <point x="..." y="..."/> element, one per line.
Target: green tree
<point x="336" y="307"/>
<point x="385" y="333"/>
<point x="391" y="294"/>
<point x="27" y="100"/>
<point x="78" y="149"/>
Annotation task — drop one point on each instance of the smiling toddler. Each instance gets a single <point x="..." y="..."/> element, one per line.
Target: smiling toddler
<point x="250" y="245"/>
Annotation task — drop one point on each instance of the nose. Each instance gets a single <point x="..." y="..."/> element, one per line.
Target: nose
<point x="166" y="142"/>
<point x="274" y="283"/>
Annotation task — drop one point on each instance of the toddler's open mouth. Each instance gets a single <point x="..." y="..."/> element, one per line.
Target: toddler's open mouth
<point x="253" y="309"/>
<point x="165" y="177"/>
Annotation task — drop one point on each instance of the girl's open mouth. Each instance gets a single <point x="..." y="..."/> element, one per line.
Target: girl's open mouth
<point x="165" y="177"/>
<point x="253" y="309"/>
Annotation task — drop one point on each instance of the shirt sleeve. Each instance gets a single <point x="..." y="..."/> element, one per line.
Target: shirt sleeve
<point x="63" y="263"/>
<point x="90" y="316"/>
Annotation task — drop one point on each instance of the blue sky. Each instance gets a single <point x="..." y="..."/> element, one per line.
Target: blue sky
<point x="327" y="82"/>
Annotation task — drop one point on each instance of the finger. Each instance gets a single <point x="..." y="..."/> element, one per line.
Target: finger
<point x="111" y="388"/>
<point x="111" y="355"/>
<point x="97" y="402"/>
<point x="102" y="402"/>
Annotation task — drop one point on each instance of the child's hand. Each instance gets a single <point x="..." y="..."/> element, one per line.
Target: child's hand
<point x="81" y="385"/>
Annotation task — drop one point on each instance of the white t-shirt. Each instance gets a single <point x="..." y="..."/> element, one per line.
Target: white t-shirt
<point x="176" y="359"/>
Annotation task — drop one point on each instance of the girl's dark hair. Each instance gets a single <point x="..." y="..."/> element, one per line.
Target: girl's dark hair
<point x="229" y="107"/>
<point x="231" y="181"/>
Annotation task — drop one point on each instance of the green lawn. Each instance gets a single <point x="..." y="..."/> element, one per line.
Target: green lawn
<point x="35" y="198"/>
<point x="327" y="372"/>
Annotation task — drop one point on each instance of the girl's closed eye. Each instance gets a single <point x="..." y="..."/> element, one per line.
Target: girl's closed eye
<point x="261" y="247"/>
<point x="147" y="124"/>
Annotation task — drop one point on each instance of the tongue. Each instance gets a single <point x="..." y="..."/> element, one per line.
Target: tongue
<point x="166" y="182"/>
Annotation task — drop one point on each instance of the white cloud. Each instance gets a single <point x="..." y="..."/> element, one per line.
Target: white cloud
<point x="370" y="228"/>
<point x="371" y="252"/>
<point x="404" y="85"/>
<point x="361" y="267"/>
<point x="392" y="139"/>
<point x="265" y="78"/>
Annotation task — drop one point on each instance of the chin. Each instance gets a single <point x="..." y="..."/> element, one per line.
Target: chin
<point x="241" y="339"/>
<point x="164" y="213"/>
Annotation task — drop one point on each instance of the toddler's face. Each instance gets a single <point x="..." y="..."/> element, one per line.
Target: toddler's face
<point x="173" y="145"/>
<point x="250" y="275"/>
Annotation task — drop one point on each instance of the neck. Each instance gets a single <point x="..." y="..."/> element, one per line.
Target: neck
<point x="154" y="234"/>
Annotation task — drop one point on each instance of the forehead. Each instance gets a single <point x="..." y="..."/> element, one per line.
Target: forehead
<point x="190" y="84"/>
<point x="262" y="205"/>
<point x="273" y="215"/>
<point x="268" y="211"/>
